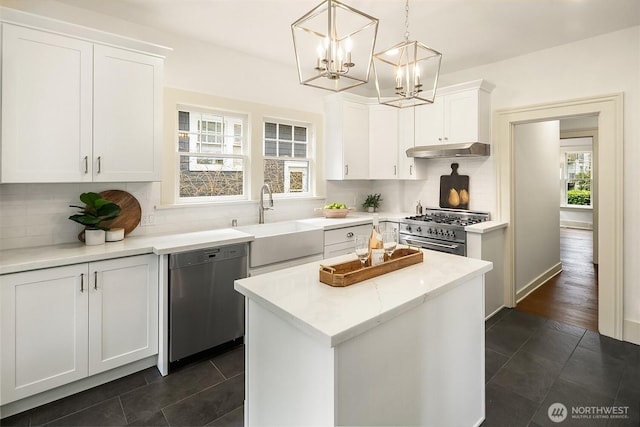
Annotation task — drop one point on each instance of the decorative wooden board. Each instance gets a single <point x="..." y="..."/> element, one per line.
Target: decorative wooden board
<point x="131" y="213"/>
<point x="350" y="272"/>
<point x="454" y="189"/>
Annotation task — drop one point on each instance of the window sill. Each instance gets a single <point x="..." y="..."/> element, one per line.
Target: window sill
<point x="234" y="202"/>
<point x="577" y="207"/>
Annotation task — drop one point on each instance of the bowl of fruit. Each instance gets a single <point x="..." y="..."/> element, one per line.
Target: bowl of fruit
<point x="335" y="210"/>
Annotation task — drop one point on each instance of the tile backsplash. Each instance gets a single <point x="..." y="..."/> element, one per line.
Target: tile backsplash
<point x="37" y="214"/>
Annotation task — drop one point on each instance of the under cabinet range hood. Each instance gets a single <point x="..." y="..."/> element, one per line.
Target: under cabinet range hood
<point x="467" y="149"/>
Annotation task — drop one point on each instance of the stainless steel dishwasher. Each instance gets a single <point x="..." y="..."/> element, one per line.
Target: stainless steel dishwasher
<point x="204" y="309"/>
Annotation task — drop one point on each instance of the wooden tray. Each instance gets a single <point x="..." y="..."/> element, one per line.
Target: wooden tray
<point x="350" y="272"/>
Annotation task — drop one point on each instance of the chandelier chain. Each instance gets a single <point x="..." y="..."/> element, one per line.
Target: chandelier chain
<point x="406" y="20"/>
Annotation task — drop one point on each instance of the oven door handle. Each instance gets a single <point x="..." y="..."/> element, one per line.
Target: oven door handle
<point x="414" y="242"/>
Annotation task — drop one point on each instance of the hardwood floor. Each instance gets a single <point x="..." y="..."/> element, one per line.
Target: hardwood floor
<point x="571" y="296"/>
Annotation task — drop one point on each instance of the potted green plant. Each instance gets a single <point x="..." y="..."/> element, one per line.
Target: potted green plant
<point x="372" y="202"/>
<point x="96" y="211"/>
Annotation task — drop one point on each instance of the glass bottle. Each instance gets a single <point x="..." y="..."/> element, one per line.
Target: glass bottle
<point x="376" y="246"/>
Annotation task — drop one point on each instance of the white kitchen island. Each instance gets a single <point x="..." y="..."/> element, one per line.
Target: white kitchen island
<point x="404" y="348"/>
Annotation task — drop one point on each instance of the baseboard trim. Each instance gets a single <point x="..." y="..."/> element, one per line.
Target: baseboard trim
<point x="631" y="331"/>
<point x="576" y="224"/>
<point x="538" y="281"/>
<point x="494" y="313"/>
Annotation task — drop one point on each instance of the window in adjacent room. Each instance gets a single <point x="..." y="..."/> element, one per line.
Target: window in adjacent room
<point x="287" y="158"/>
<point x="577" y="178"/>
<point x="211" y="155"/>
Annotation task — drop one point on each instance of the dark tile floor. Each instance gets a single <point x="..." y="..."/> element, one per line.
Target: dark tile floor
<point x="208" y="392"/>
<point x="531" y="363"/>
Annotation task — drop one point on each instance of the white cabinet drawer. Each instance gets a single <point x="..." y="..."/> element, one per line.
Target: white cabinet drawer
<point x="342" y="235"/>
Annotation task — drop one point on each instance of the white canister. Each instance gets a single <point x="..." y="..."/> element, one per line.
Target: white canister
<point x="94" y="237"/>
<point x="115" y="234"/>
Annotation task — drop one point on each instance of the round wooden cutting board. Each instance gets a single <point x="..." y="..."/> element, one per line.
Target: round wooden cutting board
<point x="131" y="213"/>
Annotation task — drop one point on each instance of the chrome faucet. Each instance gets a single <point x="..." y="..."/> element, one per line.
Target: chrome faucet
<point x="261" y="207"/>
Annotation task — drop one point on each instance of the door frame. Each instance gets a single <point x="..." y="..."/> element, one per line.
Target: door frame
<point x="609" y="109"/>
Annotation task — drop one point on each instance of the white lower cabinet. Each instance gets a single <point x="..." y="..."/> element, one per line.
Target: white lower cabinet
<point x="340" y="241"/>
<point x="63" y="324"/>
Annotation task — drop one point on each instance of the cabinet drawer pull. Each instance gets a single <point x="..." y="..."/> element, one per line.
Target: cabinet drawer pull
<point x="350" y="234"/>
<point x="346" y="169"/>
<point x="95" y="279"/>
<point x="99" y="164"/>
<point x="86" y="164"/>
<point x="410" y="169"/>
<point x="395" y="170"/>
<point x="82" y="279"/>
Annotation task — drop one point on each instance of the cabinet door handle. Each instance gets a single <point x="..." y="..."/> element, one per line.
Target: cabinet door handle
<point x="346" y="169"/>
<point x="439" y="139"/>
<point x="410" y="169"/>
<point x="395" y="170"/>
<point x="350" y="234"/>
<point x="99" y="164"/>
<point x="95" y="280"/>
<point x="446" y="138"/>
<point x="86" y="164"/>
<point x="82" y="280"/>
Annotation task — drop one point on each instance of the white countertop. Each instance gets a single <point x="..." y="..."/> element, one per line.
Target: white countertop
<point x="485" y="227"/>
<point x="333" y="314"/>
<point x="16" y="260"/>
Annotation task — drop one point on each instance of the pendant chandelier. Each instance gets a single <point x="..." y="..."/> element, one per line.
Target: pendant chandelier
<point x="407" y="73"/>
<point x="334" y="46"/>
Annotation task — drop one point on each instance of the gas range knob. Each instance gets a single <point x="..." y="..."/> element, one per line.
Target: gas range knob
<point x="419" y="229"/>
<point x="408" y="228"/>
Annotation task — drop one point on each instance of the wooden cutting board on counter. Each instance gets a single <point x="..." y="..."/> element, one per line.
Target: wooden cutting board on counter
<point x="454" y="189"/>
<point x="131" y="213"/>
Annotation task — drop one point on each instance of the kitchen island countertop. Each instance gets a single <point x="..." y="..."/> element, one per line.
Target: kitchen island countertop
<point x="333" y="315"/>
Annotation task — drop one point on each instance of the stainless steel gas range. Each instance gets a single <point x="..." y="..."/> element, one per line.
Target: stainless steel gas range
<point x="440" y="229"/>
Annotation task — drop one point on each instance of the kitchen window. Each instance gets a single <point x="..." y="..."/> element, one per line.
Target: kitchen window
<point x="211" y="155"/>
<point x="577" y="169"/>
<point x="287" y="159"/>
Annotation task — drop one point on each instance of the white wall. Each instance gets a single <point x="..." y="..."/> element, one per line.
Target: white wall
<point x="537" y="215"/>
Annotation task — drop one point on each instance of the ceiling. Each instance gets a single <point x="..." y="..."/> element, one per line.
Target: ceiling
<point x="468" y="32"/>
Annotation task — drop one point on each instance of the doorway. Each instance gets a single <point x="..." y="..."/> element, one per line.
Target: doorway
<point x="554" y="254"/>
<point x="609" y="203"/>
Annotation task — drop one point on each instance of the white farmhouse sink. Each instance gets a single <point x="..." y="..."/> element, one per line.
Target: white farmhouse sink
<point x="283" y="241"/>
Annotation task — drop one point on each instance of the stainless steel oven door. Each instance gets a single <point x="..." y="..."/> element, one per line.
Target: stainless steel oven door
<point x="434" y="244"/>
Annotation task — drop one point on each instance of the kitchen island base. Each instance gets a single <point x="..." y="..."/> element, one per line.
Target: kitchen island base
<point x="425" y="366"/>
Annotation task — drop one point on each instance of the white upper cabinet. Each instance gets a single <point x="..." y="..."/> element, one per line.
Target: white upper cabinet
<point x="346" y="138"/>
<point x="75" y="110"/>
<point x="46" y="106"/>
<point x="460" y="113"/>
<point x="406" y="140"/>
<point x="366" y="140"/>
<point x="127" y="117"/>
<point x="383" y="142"/>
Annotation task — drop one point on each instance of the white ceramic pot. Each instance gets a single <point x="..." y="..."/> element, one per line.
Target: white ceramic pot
<point x="115" y="234"/>
<point x="371" y="209"/>
<point x="94" y="237"/>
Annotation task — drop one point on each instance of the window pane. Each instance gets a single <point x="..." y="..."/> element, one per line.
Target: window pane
<point x="285" y="149"/>
<point x="578" y="167"/>
<point x="286" y="132"/>
<point x="300" y="150"/>
<point x="270" y="131"/>
<point x="270" y="148"/>
<point x="287" y="176"/>
<point x="300" y="134"/>
<point x="210" y="176"/>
